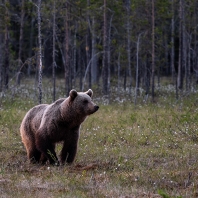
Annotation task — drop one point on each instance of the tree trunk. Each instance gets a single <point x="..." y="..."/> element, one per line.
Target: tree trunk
<point x="39" y="52"/>
<point x="20" y="41"/>
<point x="128" y="5"/>
<point x="195" y="59"/>
<point x="1" y="62"/>
<point x="30" y="48"/>
<point x="54" y="52"/>
<point x="125" y="78"/>
<point x="105" y="53"/>
<point x="73" y="71"/>
<point x="137" y="69"/>
<point x="80" y="70"/>
<point x="184" y="43"/>
<point x="7" y="53"/>
<point x="118" y="71"/>
<point x="108" y="52"/>
<point x="153" y="51"/>
<point x="67" y="65"/>
<point x="147" y="75"/>
<point x="87" y="49"/>
<point x="188" y="64"/>
<point x="93" y="53"/>
<point x="173" y="44"/>
<point x="92" y="71"/>
<point x="181" y="47"/>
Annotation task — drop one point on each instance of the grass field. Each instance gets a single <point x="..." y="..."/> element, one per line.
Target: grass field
<point x="125" y="151"/>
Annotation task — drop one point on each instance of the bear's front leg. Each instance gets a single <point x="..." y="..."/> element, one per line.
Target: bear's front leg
<point x="68" y="153"/>
<point x="72" y="150"/>
<point x="43" y="158"/>
<point x="47" y="148"/>
<point x="70" y="145"/>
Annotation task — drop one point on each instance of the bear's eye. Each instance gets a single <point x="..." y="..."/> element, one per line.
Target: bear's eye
<point x="85" y="101"/>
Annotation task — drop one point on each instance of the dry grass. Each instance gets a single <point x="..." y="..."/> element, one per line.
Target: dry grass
<point x="148" y="150"/>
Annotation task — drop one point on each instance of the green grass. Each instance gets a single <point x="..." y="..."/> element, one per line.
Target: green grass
<point x="148" y="150"/>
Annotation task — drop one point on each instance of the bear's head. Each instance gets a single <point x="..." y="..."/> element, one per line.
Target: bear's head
<point x="82" y="102"/>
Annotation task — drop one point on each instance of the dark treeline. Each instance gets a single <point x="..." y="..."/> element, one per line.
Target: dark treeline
<point x="122" y="43"/>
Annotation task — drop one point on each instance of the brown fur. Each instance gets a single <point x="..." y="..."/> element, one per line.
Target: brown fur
<point x="44" y="125"/>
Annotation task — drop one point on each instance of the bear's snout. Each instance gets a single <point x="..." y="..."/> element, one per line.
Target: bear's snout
<point x="96" y="108"/>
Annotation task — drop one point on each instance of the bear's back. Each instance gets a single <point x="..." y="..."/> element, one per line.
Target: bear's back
<point x="33" y="118"/>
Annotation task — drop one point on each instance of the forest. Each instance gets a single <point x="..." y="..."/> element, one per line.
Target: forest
<point x="124" y="44"/>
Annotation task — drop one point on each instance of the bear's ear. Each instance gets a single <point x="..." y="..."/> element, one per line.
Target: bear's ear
<point x="89" y="93"/>
<point x="73" y="93"/>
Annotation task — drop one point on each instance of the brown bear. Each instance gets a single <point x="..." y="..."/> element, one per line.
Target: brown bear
<point x="47" y="124"/>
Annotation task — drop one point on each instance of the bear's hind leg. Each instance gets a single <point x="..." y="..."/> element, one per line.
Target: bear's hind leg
<point x="32" y="152"/>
